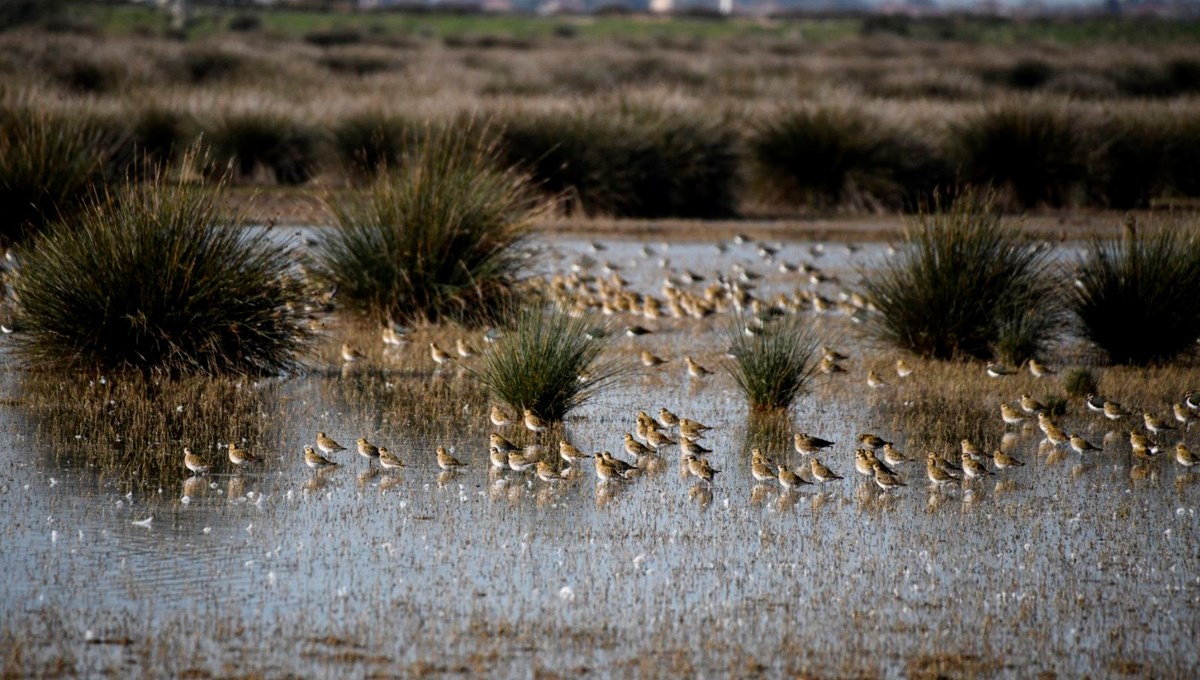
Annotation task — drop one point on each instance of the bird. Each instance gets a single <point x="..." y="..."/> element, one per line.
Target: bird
<point x="832" y="354"/>
<point x="500" y="417"/>
<point x="1094" y="403"/>
<point x="820" y="472"/>
<point x="760" y="467"/>
<point x="635" y="448"/>
<point x="691" y="448"/>
<point x="1183" y="415"/>
<point x="657" y="439"/>
<point x="689" y="425"/>
<point x="893" y="457"/>
<point x="547" y="473"/>
<point x="651" y="360"/>
<point x="973" y="468"/>
<point x="1184" y="455"/>
<point x="444" y="460"/>
<point x="700" y="467"/>
<point x="790" y="480"/>
<point x="1142" y="445"/>
<point x="806" y="443"/>
<point x="503" y="445"/>
<point x="1038" y="369"/>
<point x="367" y="450"/>
<point x="605" y="470"/>
<point x="315" y="460"/>
<point x="970" y="450"/>
<point x="518" y="461"/>
<point x="390" y="461"/>
<point x="570" y="454"/>
<point x="392" y="337"/>
<point x="194" y="463"/>
<point x="830" y="366"/>
<point x="1113" y="411"/>
<point x="871" y="441"/>
<point x="996" y="370"/>
<point x="935" y="473"/>
<point x="1155" y="424"/>
<point x="1191" y="399"/>
<point x="1031" y="405"/>
<point x="1055" y="434"/>
<point x="694" y="369"/>
<point x="903" y="370"/>
<point x="464" y="350"/>
<point x="1003" y="460"/>
<point x="622" y="468"/>
<point x="874" y="381"/>
<point x="239" y="456"/>
<point x="327" y="445"/>
<point x="667" y="418"/>
<point x="1010" y="415"/>
<point x="497" y="458"/>
<point x="439" y="355"/>
<point x="864" y="461"/>
<point x="533" y="423"/>
<point x="350" y="354"/>
<point x="886" y="480"/>
<point x="1082" y="445"/>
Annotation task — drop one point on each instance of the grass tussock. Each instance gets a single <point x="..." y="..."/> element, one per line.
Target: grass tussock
<point x="829" y="158"/>
<point x="49" y="164"/>
<point x="152" y="280"/>
<point x="963" y="285"/>
<point x="370" y="142"/>
<point x="1135" y="296"/>
<point x="1039" y="154"/>
<point x="629" y="162"/>
<point x="775" y="365"/>
<point x="439" y="238"/>
<point x="547" y="361"/>
<point x="255" y="143"/>
<point x="1080" y="382"/>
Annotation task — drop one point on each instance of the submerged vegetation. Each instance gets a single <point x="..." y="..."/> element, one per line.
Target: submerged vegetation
<point x="548" y="361"/>
<point x="150" y="278"/>
<point x="1135" y="297"/>
<point x="964" y="285"/>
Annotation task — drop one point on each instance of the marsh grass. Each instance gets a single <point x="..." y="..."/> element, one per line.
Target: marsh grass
<point x="545" y="361"/>
<point x="134" y="427"/>
<point x="263" y="141"/>
<point x="439" y="238"/>
<point x="770" y="431"/>
<point x="1080" y="382"/>
<point x="773" y="367"/>
<point x="628" y="161"/>
<point x="829" y="158"/>
<point x="1037" y="153"/>
<point x="1135" y="296"/>
<point x="370" y="142"/>
<point x="152" y="279"/>
<point x="963" y="285"/>
<point x="49" y="164"/>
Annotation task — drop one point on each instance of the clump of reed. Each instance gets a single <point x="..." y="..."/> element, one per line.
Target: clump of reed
<point x="255" y="141"/>
<point x="151" y="279"/>
<point x="49" y="163"/>
<point x="437" y="238"/>
<point x="547" y="361"/>
<point x="828" y="158"/>
<point x="774" y="365"/>
<point x="1038" y="153"/>
<point x="1080" y="382"/>
<point x="963" y="285"/>
<point x="1135" y="296"/>
<point x="631" y="161"/>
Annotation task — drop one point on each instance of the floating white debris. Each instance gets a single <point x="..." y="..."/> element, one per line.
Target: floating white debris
<point x="566" y="594"/>
<point x="185" y="500"/>
<point x="53" y="536"/>
<point x="207" y="530"/>
<point x="145" y="523"/>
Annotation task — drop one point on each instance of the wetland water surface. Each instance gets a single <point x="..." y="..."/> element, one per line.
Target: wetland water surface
<point x="1068" y="565"/>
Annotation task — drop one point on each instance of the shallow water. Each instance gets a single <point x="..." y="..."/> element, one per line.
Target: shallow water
<point x="1072" y="565"/>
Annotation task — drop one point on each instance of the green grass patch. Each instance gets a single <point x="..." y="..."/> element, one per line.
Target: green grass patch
<point x="773" y="366"/>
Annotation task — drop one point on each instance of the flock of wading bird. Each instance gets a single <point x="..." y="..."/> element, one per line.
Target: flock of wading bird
<point x="584" y="289"/>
